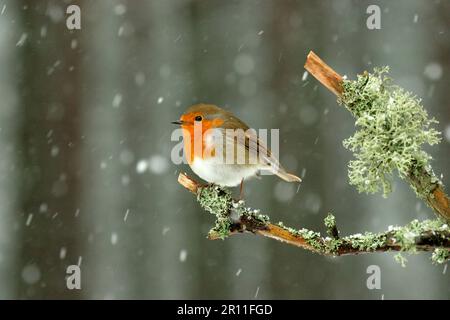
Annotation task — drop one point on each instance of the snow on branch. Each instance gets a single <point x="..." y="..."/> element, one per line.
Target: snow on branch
<point x="233" y="217"/>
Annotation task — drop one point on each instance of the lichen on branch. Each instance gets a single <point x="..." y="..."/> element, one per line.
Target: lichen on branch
<point x="440" y="256"/>
<point x="392" y="126"/>
<point x="230" y="214"/>
<point x="234" y="217"/>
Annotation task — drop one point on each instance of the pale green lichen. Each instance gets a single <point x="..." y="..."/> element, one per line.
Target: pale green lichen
<point x="330" y="223"/>
<point x="214" y="199"/>
<point x="218" y="201"/>
<point x="332" y="245"/>
<point x="423" y="181"/>
<point x="327" y="246"/>
<point x="367" y="242"/>
<point x="406" y="237"/>
<point x="440" y="255"/>
<point x="400" y="259"/>
<point x="312" y="238"/>
<point x="392" y="127"/>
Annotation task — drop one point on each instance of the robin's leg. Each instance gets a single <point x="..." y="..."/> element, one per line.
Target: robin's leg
<point x="241" y="190"/>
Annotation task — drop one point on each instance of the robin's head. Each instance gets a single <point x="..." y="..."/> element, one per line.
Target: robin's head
<point x="208" y="115"/>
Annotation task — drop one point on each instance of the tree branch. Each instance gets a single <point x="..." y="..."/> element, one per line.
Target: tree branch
<point x="232" y="217"/>
<point x="421" y="179"/>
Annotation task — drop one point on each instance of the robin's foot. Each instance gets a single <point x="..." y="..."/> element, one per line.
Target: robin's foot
<point x="241" y="190"/>
<point x="207" y="185"/>
<point x="203" y="185"/>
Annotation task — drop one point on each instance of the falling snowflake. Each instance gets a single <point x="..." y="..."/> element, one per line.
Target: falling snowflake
<point x="28" y="222"/>
<point x="284" y="192"/>
<point x="126" y="215"/>
<point x="158" y="164"/>
<point x="305" y="76"/>
<point x="141" y="166"/>
<point x="433" y="71"/>
<point x="183" y="255"/>
<point x="165" y="230"/>
<point x="120" y="9"/>
<point x="244" y="64"/>
<point x="22" y="40"/>
<point x="139" y="78"/>
<point x="31" y="274"/>
<point x="257" y="292"/>
<point x="62" y="253"/>
<point x="117" y="100"/>
<point x="54" y="151"/>
<point x="74" y="44"/>
<point x="114" y="238"/>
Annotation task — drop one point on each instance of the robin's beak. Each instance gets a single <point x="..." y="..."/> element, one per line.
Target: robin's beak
<point x="179" y="122"/>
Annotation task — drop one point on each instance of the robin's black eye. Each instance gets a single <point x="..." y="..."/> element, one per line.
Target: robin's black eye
<point x="198" y="118"/>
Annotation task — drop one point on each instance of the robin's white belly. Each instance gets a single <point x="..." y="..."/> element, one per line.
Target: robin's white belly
<point x="228" y="175"/>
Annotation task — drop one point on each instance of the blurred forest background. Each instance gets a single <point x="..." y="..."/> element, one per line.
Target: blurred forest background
<point x="85" y="170"/>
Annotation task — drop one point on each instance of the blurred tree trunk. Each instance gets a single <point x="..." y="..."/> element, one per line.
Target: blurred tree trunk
<point x="9" y="158"/>
<point x="50" y="141"/>
<point x="106" y="263"/>
<point x="438" y="93"/>
<point x="205" y="73"/>
<point x="301" y="129"/>
<point x="138" y="81"/>
<point x="164" y="55"/>
<point x="348" y="57"/>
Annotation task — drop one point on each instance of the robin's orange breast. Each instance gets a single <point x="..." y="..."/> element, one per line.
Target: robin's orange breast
<point x="200" y="141"/>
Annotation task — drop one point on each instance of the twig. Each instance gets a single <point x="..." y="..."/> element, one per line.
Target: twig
<point x="324" y="73"/>
<point x="248" y="225"/>
<point x="425" y="236"/>
<point x="421" y="180"/>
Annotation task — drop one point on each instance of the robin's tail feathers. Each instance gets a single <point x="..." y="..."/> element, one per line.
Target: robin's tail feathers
<point x="289" y="177"/>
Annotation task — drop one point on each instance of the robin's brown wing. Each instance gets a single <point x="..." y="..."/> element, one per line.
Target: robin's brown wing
<point x="255" y="145"/>
<point x="268" y="159"/>
<point x="247" y="144"/>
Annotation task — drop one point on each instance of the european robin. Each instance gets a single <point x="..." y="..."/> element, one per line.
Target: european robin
<point x="209" y="135"/>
